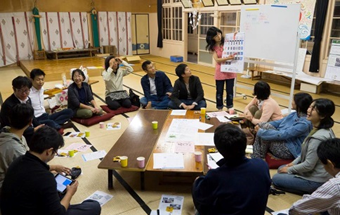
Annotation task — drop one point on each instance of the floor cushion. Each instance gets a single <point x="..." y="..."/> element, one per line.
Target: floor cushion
<point x="119" y="110"/>
<point x="274" y="162"/>
<point x="95" y="119"/>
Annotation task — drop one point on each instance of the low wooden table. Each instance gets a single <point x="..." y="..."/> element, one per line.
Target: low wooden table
<point x="139" y="139"/>
<point x="73" y="53"/>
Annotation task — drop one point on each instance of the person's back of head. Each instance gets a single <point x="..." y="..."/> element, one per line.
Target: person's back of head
<point x="180" y="70"/>
<point x="21" y="81"/>
<point x="325" y="108"/>
<point x="329" y="151"/>
<point x="261" y="90"/>
<point x="145" y="65"/>
<point x="36" y="72"/>
<point x="230" y="141"/>
<point x="45" y="138"/>
<point x="21" y="115"/>
<point x="107" y="61"/>
<point x="302" y="102"/>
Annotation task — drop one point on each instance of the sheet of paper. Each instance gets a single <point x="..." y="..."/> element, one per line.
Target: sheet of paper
<point x="76" y="134"/>
<point x="218" y="113"/>
<point x="233" y="45"/>
<point x="80" y="147"/>
<point x="211" y="163"/>
<point x="113" y="126"/>
<point x="178" y="112"/>
<point x="185" y="147"/>
<point x="94" y="155"/>
<point x="222" y="119"/>
<point x="249" y="149"/>
<point x="205" y="139"/>
<point x="201" y="125"/>
<point x="216" y="156"/>
<point x="171" y="205"/>
<point x="100" y="197"/>
<point x="286" y="211"/>
<point x="168" y="161"/>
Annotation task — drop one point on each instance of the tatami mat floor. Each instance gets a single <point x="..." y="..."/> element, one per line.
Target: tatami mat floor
<point x="135" y="201"/>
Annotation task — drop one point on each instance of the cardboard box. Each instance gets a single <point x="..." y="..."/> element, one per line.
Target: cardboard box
<point x="176" y="58"/>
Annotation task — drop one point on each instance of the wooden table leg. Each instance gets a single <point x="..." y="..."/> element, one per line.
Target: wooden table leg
<point x="142" y="187"/>
<point x="110" y="179"/>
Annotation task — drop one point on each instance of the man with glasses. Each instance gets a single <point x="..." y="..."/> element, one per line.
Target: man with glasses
<point x="21" y="87"/>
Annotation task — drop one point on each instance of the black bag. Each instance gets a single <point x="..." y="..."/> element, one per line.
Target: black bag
<point x="134" y="98"/>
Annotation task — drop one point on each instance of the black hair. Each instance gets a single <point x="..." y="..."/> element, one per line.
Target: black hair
<point x="36" y="72"/>
<point x="261" y="90"/>
<point x="302" y="102"/>
<point x="21" y="81"/>
<point x="230" y="141"/>
<point x="80" y="73"/>
<point x="107" y="61"/>
<point x="20" y="115"/>
<point x="180" y="70"/>
<point x="330" y="150"/>
<point x="45" y="138"/>
<point x="145" y="65"/>
<point x="325" y="108"/>
<point x="211" y="33"/>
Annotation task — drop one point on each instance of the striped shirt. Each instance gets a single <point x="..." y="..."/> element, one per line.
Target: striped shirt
<point x="325" y="198"/>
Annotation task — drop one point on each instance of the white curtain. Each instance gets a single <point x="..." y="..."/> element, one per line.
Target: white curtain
<point x="115" y="29"/>
<point x="79" y="27"/>
<point x="16" y="37"/>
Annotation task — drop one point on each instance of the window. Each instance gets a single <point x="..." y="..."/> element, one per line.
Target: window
<point x="230" y="22"/>
<point x="335" y="30"/>
<point x="172" y="20"/>
<point x="207" y="21"/>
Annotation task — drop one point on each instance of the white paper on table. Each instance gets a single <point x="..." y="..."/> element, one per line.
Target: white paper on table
<point x="204" y="139"/>
<point x="201" y="125"/>
<point x="185" y="147"/>
<point x="222" y="119"/>
<point x="286" y="211"/>
<point x="101" y="197"/>
<point x="80" y="147"/>
<point x="168" y="161"/>
<point x="178" y="112"/>
<point x="216" y="114"/>
<point x="183" y="126"/>
<point x="94" y="155"/>
<point x="175" y="202"/>
<point x="113" y="126"/>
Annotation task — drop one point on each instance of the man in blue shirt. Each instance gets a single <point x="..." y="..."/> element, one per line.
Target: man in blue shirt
<point x="239" y="185"/>
<point x="156" y="86"/>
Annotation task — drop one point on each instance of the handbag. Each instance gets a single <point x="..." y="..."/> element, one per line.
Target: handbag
<point x="134" y="98"/>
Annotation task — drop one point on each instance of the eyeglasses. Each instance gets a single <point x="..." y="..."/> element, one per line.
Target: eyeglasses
<point x="27" y="91"/>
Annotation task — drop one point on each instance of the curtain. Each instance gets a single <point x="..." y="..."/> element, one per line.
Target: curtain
<point x="321" y="12"/>
<point x="159" y="23"/>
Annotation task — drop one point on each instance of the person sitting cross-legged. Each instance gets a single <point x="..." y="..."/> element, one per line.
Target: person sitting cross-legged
<point x="55" y="120"/>
<point x="30" y="188"/>
<point x="239" y="185"/>
<point x="156" y="86"/>
<point x="188" y="92"/>
<point x="326" y="197"/>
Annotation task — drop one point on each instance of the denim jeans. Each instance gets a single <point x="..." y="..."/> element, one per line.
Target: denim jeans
<point x="294" y="184"/>
<point x="156" y="102"/>
<point x="229" y="93"/>
<point x="56" y="119"/>
<point x="200" y="104"/>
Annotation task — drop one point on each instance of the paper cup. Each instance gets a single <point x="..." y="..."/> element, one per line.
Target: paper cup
<point x="124" y="161"/>
<point x="87" y="133"/>
<point x="101" y="125"/>
<point x="141" y="162"/>
<point x="155" y="125"/>
<point x="198" y="156"/>
<point x="71" y="153"/>
<point x="203" y="111"/>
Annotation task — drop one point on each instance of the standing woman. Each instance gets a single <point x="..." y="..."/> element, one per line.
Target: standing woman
<point x="215" y="41"/>
<point x="306" y="173"/>
<point x="115" y="96"/>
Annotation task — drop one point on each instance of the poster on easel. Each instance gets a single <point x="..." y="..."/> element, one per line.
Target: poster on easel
<point x="333" y="65"/>
<point x="233" y="45"/>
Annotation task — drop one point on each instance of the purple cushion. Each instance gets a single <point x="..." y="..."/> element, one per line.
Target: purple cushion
<point x="119" y="110"/>
<point x="94" y="119"/>
<point x="274" y="162"/>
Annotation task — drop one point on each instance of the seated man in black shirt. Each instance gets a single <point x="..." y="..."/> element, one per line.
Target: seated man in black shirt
<point x="30" y="188"/>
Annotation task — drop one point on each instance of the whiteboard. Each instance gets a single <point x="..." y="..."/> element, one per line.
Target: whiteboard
<point x="270" y="31"/>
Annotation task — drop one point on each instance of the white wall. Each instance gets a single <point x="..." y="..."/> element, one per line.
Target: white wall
<point x="170" y="47"/>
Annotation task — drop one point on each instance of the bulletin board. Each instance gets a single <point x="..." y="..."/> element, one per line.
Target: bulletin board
<point x="270" y="31"/>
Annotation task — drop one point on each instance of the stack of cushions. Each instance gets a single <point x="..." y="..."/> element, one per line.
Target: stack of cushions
<point x="274" y="162"/>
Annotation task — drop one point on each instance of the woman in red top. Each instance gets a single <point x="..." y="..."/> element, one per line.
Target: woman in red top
<point x="215" y="41"/>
